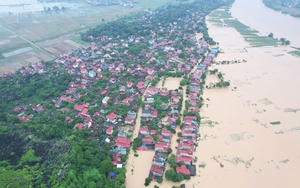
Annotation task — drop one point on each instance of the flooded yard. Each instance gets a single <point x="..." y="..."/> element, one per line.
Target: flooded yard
<point x="169" y="83"/>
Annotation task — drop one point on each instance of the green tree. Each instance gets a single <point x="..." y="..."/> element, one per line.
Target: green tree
<point x="147" y="181"/>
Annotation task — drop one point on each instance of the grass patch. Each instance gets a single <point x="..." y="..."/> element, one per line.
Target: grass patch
<point x="275" y="123"/>
<point x="209" y="123"/>
<point x="202" y="165"/>
<point x="294" y="52"/>
<point x="79" y="41"/>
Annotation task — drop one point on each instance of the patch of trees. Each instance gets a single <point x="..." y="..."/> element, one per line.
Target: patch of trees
<point x="18" y="89"/>
<point x="185" y="81"/>
<point x="291" y="7"/>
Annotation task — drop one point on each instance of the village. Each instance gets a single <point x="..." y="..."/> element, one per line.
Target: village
<point x="114" y="92"/>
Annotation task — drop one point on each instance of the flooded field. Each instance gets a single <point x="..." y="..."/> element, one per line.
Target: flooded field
<point x="169" y="83"/>
<point x="24" y="24"/>
<point x="138" y="168"/>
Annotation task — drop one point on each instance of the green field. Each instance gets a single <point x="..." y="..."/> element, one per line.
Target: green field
<point x="295" y="53"/>
<point x="222" y="17"/>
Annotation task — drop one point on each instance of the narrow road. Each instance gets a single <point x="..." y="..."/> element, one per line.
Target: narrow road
<point x="28" y="41"/>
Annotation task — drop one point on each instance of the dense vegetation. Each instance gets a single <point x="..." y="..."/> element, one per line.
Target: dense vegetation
<point x="291" y="7"/>
<point x="45" y="151"/>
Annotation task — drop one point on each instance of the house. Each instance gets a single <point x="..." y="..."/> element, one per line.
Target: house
<point x="175" y="99"/>
<point x="142" y="148"/>
<point x="188" y="122"/>
<point x="129" y="120"/>
<point x="72" y="91"/>
<point x="80" y="107"/>
<point x="23" y="119"/>
<point x="38" y="108"/>
<point x="162" y="146"/>
<point x="84" y="112"/>
<point x="159" y="159"/>
<point x="111" y="117"/>
<point x="144" y="130"/>
<point x="119" y="149"/>
<point x="129" y="84"/>
<point x="109" y="130"/>
<point x="68" y="119"/>
<point x="152" y="90"/>
<point x="92" y="74"/>
<point x="186" y="153"/>
<point x="156" y="170"/>
<point x="152" y="132"/>
<point x="122" y="141"/>
<point x="79" y="125"/>
<point x="188" y="134"/>
<point x="183" y="170"/>
<point x="164" y="93"/>
<point x="173" y="118"/>
<point x="184" y="159"/>
<point x="115" y="158"/>
<point x="140" y="85"/>
<point x="131" y="114"/>
<point x="104" y="101"/>
<point x="150" y="100"/>
<point x="155" y="113"/>
<point x="189" y="145"/>
<point x="190" y="118"/>
<point x="166" y="133"/>
<point x="148" y="140"/>
<point x="147" y="113"/>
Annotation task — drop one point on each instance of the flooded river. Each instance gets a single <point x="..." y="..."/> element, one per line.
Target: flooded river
<point x="249" y="131"/>
<point x="255" y="14"/>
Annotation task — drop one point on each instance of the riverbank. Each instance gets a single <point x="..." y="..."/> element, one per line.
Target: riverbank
<point x="289" y="8"/>
<point x="285" y="25"/>
<point x="249" y="130"/>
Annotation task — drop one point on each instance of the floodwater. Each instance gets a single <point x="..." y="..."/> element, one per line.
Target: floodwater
<point x="138" y="168"/>
<point x="26" y="6"/>
<point x="266" y="20"/>
<point x="240" y="146"/>
<point x="170" y="83"/>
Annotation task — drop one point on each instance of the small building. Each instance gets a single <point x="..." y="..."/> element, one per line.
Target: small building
<point x="183" y="170"/>
<point x="122" y="141"/>
<point x="104" y="101"/>
<point x="111" y="117"/>
<point x="109" y="130"/>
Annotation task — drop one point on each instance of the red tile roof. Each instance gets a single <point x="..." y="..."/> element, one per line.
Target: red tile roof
<point x="157" y="169"/>
<point x="182" y="169"/>
<point x="109" y="130"/>
<point x="79" y="125"/>
<point x="122" y="141"/>
<point x="111" y="116"/>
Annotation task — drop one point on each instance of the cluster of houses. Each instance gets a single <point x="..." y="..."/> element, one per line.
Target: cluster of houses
<point x="158" y="138"/>
<point x="186" y="146"/>
<point x="117" y="78"/>
<point x="22" y="111"/>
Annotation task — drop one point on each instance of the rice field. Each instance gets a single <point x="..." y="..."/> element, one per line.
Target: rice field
<point x="56" y="32"/>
